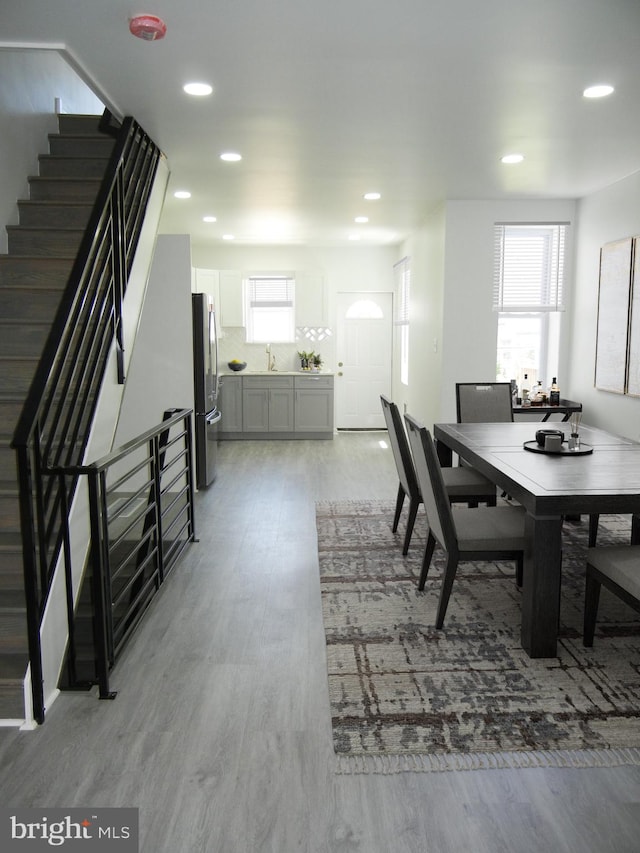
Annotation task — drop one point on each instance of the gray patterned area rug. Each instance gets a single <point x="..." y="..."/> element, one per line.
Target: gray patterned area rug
<point x="407" y="697"/>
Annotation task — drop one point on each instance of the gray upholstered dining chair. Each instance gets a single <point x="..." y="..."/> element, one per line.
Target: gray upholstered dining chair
<point x="464" y="485"/>
<point x="485" y="533"/>
<point x="483" y="402"/>
<point x="618" y="569"/>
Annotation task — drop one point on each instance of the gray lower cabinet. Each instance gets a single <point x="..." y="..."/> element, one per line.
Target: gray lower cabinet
<point x="230" y="404"/>
<point x="313" y="403"/>
<point x="267" y="404"/>
<point x="279" y="406"/>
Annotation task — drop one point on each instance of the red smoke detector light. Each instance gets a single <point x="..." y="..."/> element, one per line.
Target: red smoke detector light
<point x="148" y="27"/>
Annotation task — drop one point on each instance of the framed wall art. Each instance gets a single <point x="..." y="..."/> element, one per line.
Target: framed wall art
<point x="614" y="309"/>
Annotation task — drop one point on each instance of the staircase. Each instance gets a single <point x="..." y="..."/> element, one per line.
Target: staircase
<point x="33" y="274"/>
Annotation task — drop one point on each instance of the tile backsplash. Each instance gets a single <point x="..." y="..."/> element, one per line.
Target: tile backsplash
<point x="232" y="344"/>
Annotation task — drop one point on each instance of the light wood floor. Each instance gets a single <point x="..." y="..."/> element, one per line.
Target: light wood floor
<point x="220" y="733"/>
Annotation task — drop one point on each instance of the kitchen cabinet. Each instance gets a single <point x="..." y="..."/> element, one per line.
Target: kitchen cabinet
<point x="313" y="403"/>
<point x="230" y="404"/>
<point x="231" y="304"/>
<point x="311" y="302"/>
<point x="267" y="404"/>
<point x="276" y="406"/>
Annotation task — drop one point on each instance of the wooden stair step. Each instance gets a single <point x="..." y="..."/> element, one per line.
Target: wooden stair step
<point x="21" y="304"/>
<point x="9" y="511"/>
<point x="11" y="568"/>
<point x="13" y="668"/>
<point x="57" y="166"/>
<point x="10" y="410"/>
<point x="8" y="465"/>
<point x="78" y="124"/>
<point x="78" y="189"/>
<point x="59" y="242"/>
<point x="81" y="144"/>
<point x="16" y="375"/>
<point x="13" y="630"/>
<point x="22" y="339"/>
<point x="37" y="272"/>
<point x="54" y="214"/>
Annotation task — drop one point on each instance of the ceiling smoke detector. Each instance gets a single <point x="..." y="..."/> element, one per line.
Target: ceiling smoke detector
<point x="148" y="27"/>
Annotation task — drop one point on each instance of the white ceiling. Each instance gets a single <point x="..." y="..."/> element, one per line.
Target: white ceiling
<point x="417" y="99"/>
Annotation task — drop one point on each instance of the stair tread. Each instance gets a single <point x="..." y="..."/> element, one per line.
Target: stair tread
<point x="52" y="202"/>
<point x="12" y="600"/>
<point x="45" y="228"/>
<point x="66" y="179"/>
<point x="13" y="666"/>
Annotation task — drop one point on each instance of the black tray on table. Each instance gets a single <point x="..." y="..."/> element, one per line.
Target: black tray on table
<point x="583" y="450"/>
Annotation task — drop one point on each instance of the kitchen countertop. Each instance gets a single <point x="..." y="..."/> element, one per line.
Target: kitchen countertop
<point x="246" y="372"/>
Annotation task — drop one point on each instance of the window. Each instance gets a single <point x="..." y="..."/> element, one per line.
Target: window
<point x="402" y="284"/>
<point x="528" y="296"/>
<point x="270" y="309"/>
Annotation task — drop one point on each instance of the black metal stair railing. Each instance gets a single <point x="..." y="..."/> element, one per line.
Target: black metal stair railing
<point x="53" y="429"/>
<point x="141" y="519"/>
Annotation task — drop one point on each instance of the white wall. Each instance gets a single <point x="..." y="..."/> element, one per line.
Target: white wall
<point x="451" y="296"/>
<point x="604" y="216"/>
<point x="357" y="268"/>
<point x="425" y="248"/>
<point x="160" y="372"/>
<point x="31" y="82"/>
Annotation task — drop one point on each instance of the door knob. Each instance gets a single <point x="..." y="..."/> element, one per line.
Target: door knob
<point x="339" y="373"/>
<point x="340" y="364"/>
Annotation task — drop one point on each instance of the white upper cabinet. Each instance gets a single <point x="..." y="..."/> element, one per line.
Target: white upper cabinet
<point x="231" y="312"/>
<point x="311" y="307"/>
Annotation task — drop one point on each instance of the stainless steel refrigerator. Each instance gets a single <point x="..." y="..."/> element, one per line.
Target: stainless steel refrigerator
<point x="205" y="380"/>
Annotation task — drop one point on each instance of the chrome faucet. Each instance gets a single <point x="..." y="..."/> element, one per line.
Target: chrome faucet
<point x="271" y="359"/>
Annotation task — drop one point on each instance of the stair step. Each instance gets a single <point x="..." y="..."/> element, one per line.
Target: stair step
<point x="16" y="375"/>
<point x="81" y="145"/>
<point x="54" y="214"/>
<point x="9" y="512"/>
<point x="59" y="242"/>
<point x="22" y="339"/>
<point x="11" y="568"/>
<point x="21" y="304"/>
<point x="8" y="465"/>
<point x="13" y="630"/>
<point x="30" y="271"/>
<point x="10" y="410"/>
<point x="56" y="166"/>
<point x="13" y="668"/>
<point x="13" y="599"/>
<point x="79" y="124"/>
<point x="76" y="189"/>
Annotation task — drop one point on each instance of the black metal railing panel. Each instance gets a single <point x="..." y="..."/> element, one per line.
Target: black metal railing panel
<point x="54" y="426"/>
<point x="132" y="492"/>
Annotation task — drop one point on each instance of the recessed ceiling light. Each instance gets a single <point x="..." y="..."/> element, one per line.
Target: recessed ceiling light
<point x="228" y="237"/>
<point x="198" y="89"/>
<point x="209" y="219"/>
<point x="361" y="219"/>
<point x="512" y="158"/>
<point x="231" y="157"/>
<point x="599" y="91"/>
<point x="182" y="194"/>
<point x="372" y="196"/>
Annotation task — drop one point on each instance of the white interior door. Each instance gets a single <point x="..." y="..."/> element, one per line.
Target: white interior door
<point x="363" y="349"/>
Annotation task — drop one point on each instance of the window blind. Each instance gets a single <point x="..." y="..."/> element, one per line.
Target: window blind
<point x="529" y="267"/>
<point x="271" y="292"/>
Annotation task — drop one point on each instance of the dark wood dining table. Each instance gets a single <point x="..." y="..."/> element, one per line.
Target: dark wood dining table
<point x="549" y="487"/>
